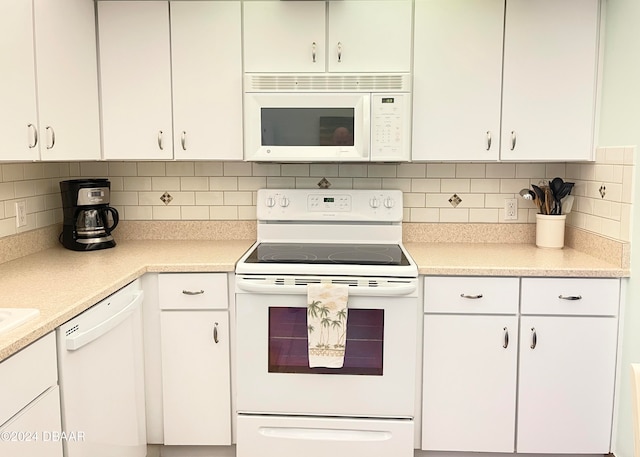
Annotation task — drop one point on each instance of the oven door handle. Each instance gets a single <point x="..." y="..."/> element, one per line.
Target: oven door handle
<point x="403" y="289"/>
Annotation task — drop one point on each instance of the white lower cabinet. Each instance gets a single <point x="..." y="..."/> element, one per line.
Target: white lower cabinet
<point x="30" y="422"/>
<point x="557" y="357"/>
<point x="196" y="378"/>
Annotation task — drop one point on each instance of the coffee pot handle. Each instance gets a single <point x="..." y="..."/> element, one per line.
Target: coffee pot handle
<point x="114" y="216"/>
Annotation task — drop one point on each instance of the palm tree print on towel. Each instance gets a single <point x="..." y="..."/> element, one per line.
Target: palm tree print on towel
<point x="332" y="321"/>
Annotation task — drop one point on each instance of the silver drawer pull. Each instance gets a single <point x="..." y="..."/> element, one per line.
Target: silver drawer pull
<point x="215" y="333"/>
<point x="471" y="297"/>
<point x="191" y="292"/>
<point x="506" y="338"/>
<point x="570" y="297"/>
<point x="534" y="338"/>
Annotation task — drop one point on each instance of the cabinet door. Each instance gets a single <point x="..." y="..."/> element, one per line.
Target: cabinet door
<point x="469" y="383"/>
<point x="566" y="384"/>
<point x="207" y="80"/>
<point x="18" y="118"/>
<point x="135" y="79"/>
<point x="196" y="390"/>
<point x="457" y="79"/>
<point x="284" y="36"/>
<point x="372" y="35"/>
<point x="66" y="61"/>
<point x="32" y="432"/>
<point x="549" y="87"/>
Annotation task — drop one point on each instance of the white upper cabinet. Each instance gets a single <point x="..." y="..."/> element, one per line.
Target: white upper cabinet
<point x="207" y="80"/>
<point x="457" y="79"/>
<point x="18" y="114"/>
<point x="363" y="36"/>
<point x="550" y="73"/>
<point x="64" y="54"/>
<point x="135" y="72"/>
<point x="67" y="68"/>
<point x="546" y="76"/>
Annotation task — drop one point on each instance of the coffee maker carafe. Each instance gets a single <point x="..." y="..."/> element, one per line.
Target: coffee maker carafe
<point x="85" y="204"/>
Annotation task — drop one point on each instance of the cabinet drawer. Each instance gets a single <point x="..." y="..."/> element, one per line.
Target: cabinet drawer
<point x="193" y="290"/>
<point x="570" y="296"/>
<point x="471" y="295"/>
<point x="27" y="374"/>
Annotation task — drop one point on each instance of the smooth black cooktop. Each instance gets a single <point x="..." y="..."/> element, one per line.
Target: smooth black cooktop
<point x="328" y="253"/>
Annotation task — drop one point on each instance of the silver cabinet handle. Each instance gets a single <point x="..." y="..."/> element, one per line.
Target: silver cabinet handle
<point x="52" y="136"/>
<point x="534" y="338"/>
<point x="513" y="140"/>
<point x="34" y="136"/>
<point x="339" y="52"/>
<point x="314" y="46"/>
<point x="160" y="140"/>
<point x="183" y="140"/>
<point x="570" y="297"/>
<point x="471" y="297"/>
<point x="215" y="333"/>
<point x="191" y="292"/>
<point x="506" y="338"/>
<point x="488" y="140"/>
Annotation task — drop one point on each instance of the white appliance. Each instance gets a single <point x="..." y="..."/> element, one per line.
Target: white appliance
<point x="101" y="372"/>
<point x="320" y="118"/>
<point x="285" y="408"/>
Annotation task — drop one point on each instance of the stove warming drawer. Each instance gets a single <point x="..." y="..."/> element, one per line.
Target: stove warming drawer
<point x="282" y="436"/>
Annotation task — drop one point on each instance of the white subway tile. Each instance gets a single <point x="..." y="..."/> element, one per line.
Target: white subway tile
<point x="484" y="215"/>
<point x="614" y="192"/>
<point x="324" y="169"/>
<point x="403" y="184"/>
<point x="529" y="170"/>
<point x="223" y="183"/>
<point x="252" y="183"/>
<point x="615" y="211"/>
<point x="165" y="184"/>
<point x="352" y="170"/>
<point x="618" y="173"/>
<point x="7" y="191"/>
<point x="441" y="170"/>
<point x="593" y="223"/>
<point x="604" y="173"/>
<point x="411" y="170"/>
<point x="135" y="183"/>
<point x="414" y="200"/>
<point x="34" y="170"/>
<point x="555" y="169"/>
<point x="471" y="200"/>
<point x="495" y="200"/>
<point x="94" y="169"/>
<point x="367" y="183"/>
<point x="513" y="186"/>
<point x="1" y="211"/>
<point x="74" y="170"/>
<point x="276" y="182"/>
<point x="425" y="185"/>
<point x="150" y="198"/>
<point x="124" y="198"/>
<point x="610" y="228"/>
<point x="123" y="169"/>
<point x="208" y="169"/>
<point x="116" y="182"/>
<point x="238" y="198"/>
<point x="194" y="183"/>
<point x="183" y="199"/>
<point x="265" y="169"/>
<point x="601" y="155"/>
<point x="25" y="188"/>
<point x="138" y="213"/>
<point x="45" y="219"/>
<point x="470" y="170"/>
<point x="602" y="208"/>
<point x="12" y="172"/>
<point x="454" y="215"/>
<point x="210" y="198"/>
<point x="237" y="168"/>
<point x="501" y="170"/>
<point x="438" y="200"/>
<point x="573" y="172"/>
<point x="151" y="169"/>
<point x="378" y="170"/>
<point x="294" y="169"/>
<point x="588" y="172"/>
<point x="625" y="222"/>
<point x="165" y="213"/>
<point x="425" y="215"/>
<point x="485" y="186"/>
<point x="246" y="213"/>
<point x="35" y="204"/>
<point x="456" y="186"/>
<point x="193" y="213"/>
<point x="629" y="155"/>
<point x="223" y="213"/>
<point x="583" y="205"/>
<point x="628" y="184"/>
<point x="180" y="169"/>
<point x="615" y="155"/>
<point x="53" y="201"/>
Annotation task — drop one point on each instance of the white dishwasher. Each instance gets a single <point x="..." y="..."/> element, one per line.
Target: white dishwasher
<point x="101" y="375"/>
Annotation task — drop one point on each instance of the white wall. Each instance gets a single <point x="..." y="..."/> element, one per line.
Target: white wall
<point x="620" y="125"/>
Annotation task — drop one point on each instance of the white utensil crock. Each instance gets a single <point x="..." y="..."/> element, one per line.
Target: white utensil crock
<point x="550" y="230"/>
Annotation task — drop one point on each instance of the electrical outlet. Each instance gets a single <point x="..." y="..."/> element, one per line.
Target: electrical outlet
<point x="21" y="213"/>
<point x="510" y="209"/>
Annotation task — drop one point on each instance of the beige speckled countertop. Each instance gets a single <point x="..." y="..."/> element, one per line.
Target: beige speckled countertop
<point x="493" y="259"/>
<point x="63" y="283"/>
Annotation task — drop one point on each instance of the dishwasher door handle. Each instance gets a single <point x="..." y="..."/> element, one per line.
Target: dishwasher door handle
<point x="76" y="340"/>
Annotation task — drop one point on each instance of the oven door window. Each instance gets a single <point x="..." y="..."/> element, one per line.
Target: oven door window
<point x="288" y="351"/>
<point x="307" y="126"/>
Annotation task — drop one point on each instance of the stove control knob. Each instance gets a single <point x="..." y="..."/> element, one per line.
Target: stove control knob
<point x="271" y="202"/>
<point x="389" y="202"/>
<point x="374" y="202"/>
<point x="284" y="202"/>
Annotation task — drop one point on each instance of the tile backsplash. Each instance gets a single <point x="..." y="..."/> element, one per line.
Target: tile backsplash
<point x="433" y="192"/>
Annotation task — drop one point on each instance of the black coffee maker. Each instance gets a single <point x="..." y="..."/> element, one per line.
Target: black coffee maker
<point x="85" y="204"/>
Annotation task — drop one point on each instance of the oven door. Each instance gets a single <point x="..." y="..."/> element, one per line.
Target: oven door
<point x="378" y="376"/>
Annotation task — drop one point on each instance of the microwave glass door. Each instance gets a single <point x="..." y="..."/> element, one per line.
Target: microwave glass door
<point x="307" y="127"/>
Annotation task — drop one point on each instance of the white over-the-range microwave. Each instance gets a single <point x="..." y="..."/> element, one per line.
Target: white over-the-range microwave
<point x="327" y="118"/>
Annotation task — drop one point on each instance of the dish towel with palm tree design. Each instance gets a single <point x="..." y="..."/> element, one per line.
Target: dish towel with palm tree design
<point x="327" y="324"/>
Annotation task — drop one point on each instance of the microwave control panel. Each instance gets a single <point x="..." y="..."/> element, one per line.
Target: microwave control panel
<point x="389" y="129"/>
